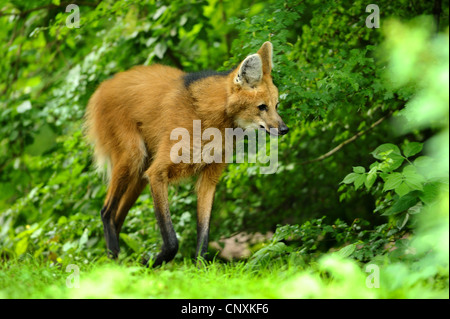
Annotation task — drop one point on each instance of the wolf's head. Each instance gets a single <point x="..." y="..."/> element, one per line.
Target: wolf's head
<point x="253" y="99"/>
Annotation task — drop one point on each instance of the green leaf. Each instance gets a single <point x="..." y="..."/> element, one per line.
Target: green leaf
<point x="130" y="241"/>
<point x="402" y="189"/>
<point x="415" y="209"/>
<point x="21" y="246"/>
<point x="402" y="221"/>
<point x="160" y="49"/>
<point x="392" y="181"/>
<point x="402" y="204"/>
<point x="84" y="238"/>
<point x="371" y="178"/>
<point x="430" y="193"/>
<point x="391" y="156"/>
<point x="374" y="165"/>
<point x="347" y="251"/>
<point x="360" y="180"/>
<point x="415" y="183"/>
<point x="412" y="178"/>
<point x="384" y="150"/>
<point x="412" y="149"/>
<point x="25" y="106"/>
<point x="423" y="162"/>
<point x="159" y="12"/>
<point x="150" y="41"/>
<point x="359" y="170"/>
<point x="69" y="245"/>
<point x="409" y="170"/>
<point x="62" y="220"/>
<point x="350" y="178"/>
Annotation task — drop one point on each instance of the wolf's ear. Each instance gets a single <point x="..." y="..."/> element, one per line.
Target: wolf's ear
<point x="266" y="53"/>
<point x="250" y="72"/>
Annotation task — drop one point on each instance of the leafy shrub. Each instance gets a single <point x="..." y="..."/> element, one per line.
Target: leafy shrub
<point x="341" y="87"/>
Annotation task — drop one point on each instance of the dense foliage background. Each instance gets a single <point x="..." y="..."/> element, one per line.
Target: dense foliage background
<point x="363" y="170"/>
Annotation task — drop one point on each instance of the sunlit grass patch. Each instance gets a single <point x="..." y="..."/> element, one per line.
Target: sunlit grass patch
<point x="329" y="277"/>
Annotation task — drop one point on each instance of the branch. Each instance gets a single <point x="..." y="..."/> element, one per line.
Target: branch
<point x="351" y="139"/>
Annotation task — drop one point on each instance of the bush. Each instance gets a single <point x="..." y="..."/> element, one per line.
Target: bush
<point x="363" y="173"/>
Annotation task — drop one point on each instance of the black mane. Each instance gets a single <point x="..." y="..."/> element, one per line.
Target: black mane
<point x="191" y="78"/>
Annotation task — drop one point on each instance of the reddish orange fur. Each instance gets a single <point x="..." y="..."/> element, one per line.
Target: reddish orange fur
<point x="129" y="119"/>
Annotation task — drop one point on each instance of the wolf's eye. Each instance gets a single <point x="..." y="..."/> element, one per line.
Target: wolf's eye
<point x="262" y="107"/>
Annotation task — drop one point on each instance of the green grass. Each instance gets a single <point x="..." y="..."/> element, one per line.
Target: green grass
<point x="330" y="277"/>
<point x="111" y="280"/>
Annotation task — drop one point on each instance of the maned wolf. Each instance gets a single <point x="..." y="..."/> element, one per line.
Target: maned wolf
<point x="130" y="117"/>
